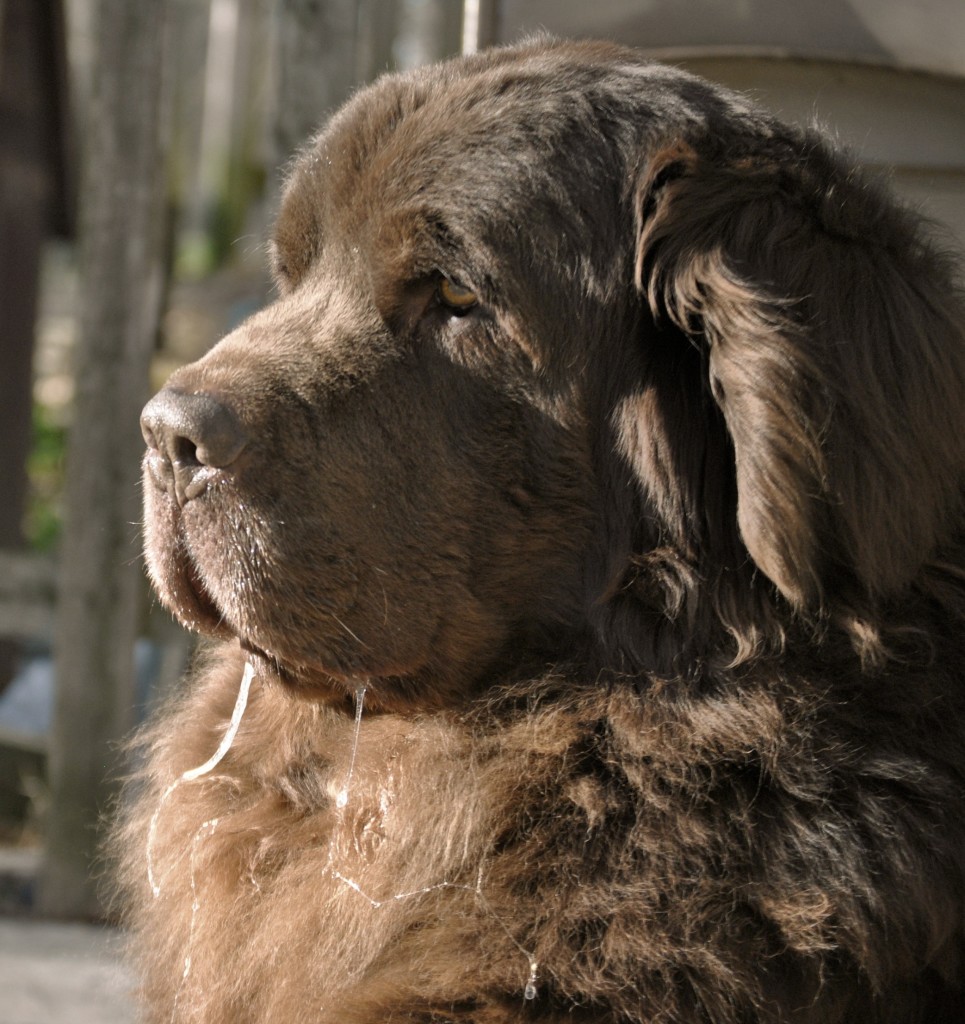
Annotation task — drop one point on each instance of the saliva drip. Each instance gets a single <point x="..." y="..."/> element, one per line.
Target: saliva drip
<point x="530" y="990"/>
<point x="342" y="799"/>
<point x="196" y="773"/>
<point x="229" y="737"/>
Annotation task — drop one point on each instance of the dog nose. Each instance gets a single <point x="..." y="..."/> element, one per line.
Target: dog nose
<point x="191" y="436"/>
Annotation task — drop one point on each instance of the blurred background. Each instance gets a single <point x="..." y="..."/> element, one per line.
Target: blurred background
<point x="140" y="147"/>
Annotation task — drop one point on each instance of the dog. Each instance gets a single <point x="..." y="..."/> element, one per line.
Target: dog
<point x="578" y="537"/>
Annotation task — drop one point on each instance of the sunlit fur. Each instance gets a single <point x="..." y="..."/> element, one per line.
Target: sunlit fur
<point x="649" y="564"/>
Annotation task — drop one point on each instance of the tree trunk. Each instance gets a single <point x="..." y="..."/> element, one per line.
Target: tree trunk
<point x="122" y="267"/>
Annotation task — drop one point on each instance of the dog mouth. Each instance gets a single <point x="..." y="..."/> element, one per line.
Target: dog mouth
<point x="211" y="589"/>
<point x="197" y="609"/>
<point x="186" y="589"/>
<point x="181" y="584"/>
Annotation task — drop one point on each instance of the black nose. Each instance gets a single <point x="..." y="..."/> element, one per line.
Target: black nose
<point x="191" y="437"/>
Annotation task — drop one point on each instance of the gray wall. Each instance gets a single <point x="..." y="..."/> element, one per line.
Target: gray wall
<point x="886" y="76"/>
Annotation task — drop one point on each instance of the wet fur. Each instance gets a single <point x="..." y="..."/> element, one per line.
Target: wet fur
<point x="652" y="571"/>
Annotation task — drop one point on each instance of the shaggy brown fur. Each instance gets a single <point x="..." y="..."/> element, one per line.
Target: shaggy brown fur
<point x="608" y="434"/>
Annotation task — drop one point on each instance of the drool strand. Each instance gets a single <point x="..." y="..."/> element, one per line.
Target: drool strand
<point x="203" y="769"/>
<point x="531" y="989"/>
<point x="229" y="737"/>
<point x="342" y="798"/>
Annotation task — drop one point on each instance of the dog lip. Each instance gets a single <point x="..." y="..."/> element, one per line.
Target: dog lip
<point x="188" y="597"/>
<point x="196" y="586"/>
<point x="203" y="615"/>
<point x="260" y="657"/>
<point x="317" y="685"/>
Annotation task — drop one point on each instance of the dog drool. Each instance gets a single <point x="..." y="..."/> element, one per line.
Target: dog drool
<point x="209" y="827"/>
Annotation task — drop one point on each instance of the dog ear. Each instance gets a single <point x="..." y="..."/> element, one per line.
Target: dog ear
<point x="832" y="343"/>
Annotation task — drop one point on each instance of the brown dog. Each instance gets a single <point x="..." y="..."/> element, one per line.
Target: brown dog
<point x="604" y="450"/>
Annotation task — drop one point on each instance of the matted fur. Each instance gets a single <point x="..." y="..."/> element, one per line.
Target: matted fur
<point x="649" y="565"/>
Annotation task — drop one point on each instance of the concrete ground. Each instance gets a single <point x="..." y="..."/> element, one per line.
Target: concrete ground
<point x="62" y="974"/>
<point x="54" y="973"/>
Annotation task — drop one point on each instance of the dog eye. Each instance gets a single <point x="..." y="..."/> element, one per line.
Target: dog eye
<point x="455" y="296"/>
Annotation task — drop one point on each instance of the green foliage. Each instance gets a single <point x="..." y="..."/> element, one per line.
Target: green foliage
<point x="45" y="470"/>
<point x="200" y="253"/>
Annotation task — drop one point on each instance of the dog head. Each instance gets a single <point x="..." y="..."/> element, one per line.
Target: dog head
<point x="574" y="356"/>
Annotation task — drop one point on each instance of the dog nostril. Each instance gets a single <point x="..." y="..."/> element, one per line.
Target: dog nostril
<point x="191" y="433"/>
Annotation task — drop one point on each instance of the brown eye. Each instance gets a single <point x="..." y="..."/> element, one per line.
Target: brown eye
<point x="457" y="298"/>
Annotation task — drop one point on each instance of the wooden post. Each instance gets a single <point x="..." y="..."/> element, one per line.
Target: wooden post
<point x="480" y="24"/>
<point x="318" y="56"/>
<point x="34" y="204"/>
<point x="122" y="268"/>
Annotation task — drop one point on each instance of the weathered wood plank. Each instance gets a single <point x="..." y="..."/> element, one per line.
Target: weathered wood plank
<point x="122" y="265"/>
